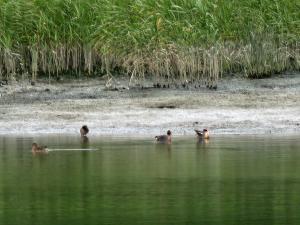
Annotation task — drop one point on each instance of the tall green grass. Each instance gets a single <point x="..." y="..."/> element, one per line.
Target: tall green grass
<point x="165" y="39"/>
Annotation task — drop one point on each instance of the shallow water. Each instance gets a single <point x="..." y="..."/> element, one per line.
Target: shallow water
<point x="234" y="180"/>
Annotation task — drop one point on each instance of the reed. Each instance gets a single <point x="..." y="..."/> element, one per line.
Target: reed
<point x="171" y="41"/>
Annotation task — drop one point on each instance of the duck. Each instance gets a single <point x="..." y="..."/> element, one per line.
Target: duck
<point x="35" y="148"/>
<point x="204" y="134"/>
<point x="167" y="139"/>
<point x="84" y="131"/>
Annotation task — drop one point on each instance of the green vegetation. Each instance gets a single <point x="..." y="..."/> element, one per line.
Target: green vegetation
<point x="166" y="39"/>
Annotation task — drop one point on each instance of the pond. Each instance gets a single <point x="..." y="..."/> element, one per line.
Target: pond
<point x="228" y="180"/>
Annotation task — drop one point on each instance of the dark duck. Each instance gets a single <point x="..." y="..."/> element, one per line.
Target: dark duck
<point x="167" y="139"/>
<point x="84" y="131"/>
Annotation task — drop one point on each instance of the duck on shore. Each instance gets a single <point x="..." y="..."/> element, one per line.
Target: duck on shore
<point x="35" y="148"/>
<point x="166" y="139"/>
<point x="84" y="131"/>
<point x="204" y="134"/>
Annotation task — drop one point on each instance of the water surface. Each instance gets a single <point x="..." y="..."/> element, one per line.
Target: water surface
<point x="229" y="180"/>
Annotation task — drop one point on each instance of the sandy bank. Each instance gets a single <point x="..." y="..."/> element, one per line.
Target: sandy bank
<point x="239" y="106"/>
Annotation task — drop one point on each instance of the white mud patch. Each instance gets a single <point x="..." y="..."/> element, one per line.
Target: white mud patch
<point x="239" y="106"/>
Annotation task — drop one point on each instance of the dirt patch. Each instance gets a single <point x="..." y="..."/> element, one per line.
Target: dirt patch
<point x="239" y="106"/>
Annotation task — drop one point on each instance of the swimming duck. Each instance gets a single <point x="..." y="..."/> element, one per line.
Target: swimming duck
<point x="38" y="149"/>
<point x="84" y="130"/>
<point x="204" y="134"/>
<point x="164" y="138"/>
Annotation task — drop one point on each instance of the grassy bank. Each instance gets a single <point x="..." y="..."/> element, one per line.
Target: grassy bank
<point x="166" y="39"/>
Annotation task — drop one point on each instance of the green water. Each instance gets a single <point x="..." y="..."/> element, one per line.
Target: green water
<point x="236" y="180"/>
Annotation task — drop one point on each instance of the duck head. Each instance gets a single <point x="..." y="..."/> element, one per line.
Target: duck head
<point x="205" y="133"/>
<point x="84" y="130"/>
<point x="169" y="134"/>
<point x="34" y="147"/>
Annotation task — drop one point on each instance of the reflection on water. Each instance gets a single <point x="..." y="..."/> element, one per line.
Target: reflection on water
<point x="222" y="181"/>
<point x="84" y="142"/>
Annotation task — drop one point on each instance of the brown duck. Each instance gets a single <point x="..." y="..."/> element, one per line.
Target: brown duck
<point x="84" y="130"/>
<point x="167" y="139"/>
<point x="204" y="134"/>
<point x="35" y="148"/>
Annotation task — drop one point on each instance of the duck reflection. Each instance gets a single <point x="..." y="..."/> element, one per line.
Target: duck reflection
<point x="85" y="143"/>
<point x="202" y="143"/>
<point x="165" y="149"/>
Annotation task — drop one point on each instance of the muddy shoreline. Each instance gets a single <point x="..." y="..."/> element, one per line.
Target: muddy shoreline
<point x="238" y="106"/>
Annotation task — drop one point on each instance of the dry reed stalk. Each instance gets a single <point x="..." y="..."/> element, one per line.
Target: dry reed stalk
<point x="187" y="66"/>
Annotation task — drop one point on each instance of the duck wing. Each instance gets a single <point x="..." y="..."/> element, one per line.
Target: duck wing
<point x="161" y="138"/>
<point x="199" y="133"/>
